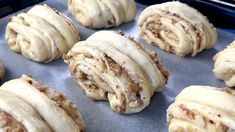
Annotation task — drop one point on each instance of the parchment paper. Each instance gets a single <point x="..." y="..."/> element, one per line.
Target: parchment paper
<point x="97" y="115"/>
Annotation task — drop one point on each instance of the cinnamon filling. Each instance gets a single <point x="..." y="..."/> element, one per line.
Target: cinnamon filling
<point x="61" y="101"/>
<point x="9" y="124"/>
<point x="157" y="28"/>
<point x="131" y="95"/>
<point x="152" y="55"/>
<point x="207" y="124"/>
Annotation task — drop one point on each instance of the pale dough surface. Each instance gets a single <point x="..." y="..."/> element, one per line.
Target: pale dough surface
<point x="102" y="13"/>
<point x="202" y="109"/>
<point x="110" y="66"/>
<point x="52" y="114"/>
<point x="224" y="66"/>
<point x="22" y="112"/>
<point x="176" y="28"/>
<point x="42" y="34"/>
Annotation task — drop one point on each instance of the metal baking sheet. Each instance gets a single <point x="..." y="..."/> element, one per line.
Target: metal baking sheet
<point x="97" y="115"/>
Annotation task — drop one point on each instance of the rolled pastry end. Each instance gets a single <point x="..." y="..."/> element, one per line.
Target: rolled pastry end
<point x="38" y="107"/>
<point x="224" y="66"/>
<point x="176" y="28"/>
<point x="204" y="109"/>
<point x="10" y="124"/>
<point x="102" y="14"/>
<point x="110" y="66"/>
<point x="42" y="34"/>
<point x="61" y="100"/>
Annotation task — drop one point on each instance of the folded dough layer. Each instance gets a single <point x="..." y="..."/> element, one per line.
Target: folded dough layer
<point x="102" y="13"/>
<point x="42" y="34"/>
<point x="2" y="70"/>
<point x="176" y="28"/>
<point x="55" y="109"/>
<point x="110" y="66"/>
<point x="202" y="109"/>
<point x="224" y="67"/>
<point x="20" y="111"/>
<point x="9" y="123"/>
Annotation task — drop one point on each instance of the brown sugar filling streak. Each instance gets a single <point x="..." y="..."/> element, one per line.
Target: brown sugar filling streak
<point x="155" y="26"/>
<point x="9" y="123"/>
<point x="192" y="116"/>
<point x="91" y="81"/>
<point x="96" y="75"/>
<point x="61" y="101"/>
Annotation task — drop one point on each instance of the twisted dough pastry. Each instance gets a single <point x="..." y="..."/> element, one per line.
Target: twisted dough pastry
<point x="110" y="66"/>
<point x="42" y="34"/>
<point x="175" y="27"/>
<point x="202" y="109"/>
<point x="224" y="67"/>
<point x="21" y="113"/>
<point x="28" y="105"/>
<point x="102" y="13"/>
<point x="2" y="70"/>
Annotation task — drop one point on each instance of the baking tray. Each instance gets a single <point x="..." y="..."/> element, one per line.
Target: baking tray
<point x="97" y="115"/>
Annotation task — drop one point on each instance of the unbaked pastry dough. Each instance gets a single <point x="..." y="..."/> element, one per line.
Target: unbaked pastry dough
<point x="102" y="13"/>
<point x="224" y="67"/>
<point x="37" y="108"/>
<point x="177" y="28"/>
<point x="110" y="66"/>
<point x="42" y="34"/>
<point x="22" y="112"/>
<point x="202" y="109"/>
<point x="2" y="70"/>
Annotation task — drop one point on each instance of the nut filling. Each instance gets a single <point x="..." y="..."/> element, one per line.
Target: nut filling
<point x="106" y="72"/>
<point x="42" y="34"/>
<point x="198" y="108"/>
<point x="9" y="124"/>
<point x="202" y="121"/>
<point x="176" y="28"/>
<point x="60" y="100"/>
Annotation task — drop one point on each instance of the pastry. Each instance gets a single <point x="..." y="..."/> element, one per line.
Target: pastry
<point x="110" y="66"/>
<point x="202" y="109"/>
<point x="2" y="70"/>
<point x="102" y="13"/>
<point x="42" y="34"/>
<point x="224" y="67"/>
<point x="28" y="105"/>
<point x="176" y="28"/>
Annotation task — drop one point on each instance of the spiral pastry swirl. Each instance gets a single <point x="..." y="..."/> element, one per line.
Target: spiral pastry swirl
<point x="42" y="34"/>
<point x="27" y="105"/>
<point x="202" y="109"/>
<point x="176" y="28"/>
<point x="102" y="13"/>
<point x="110" y="66"/>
